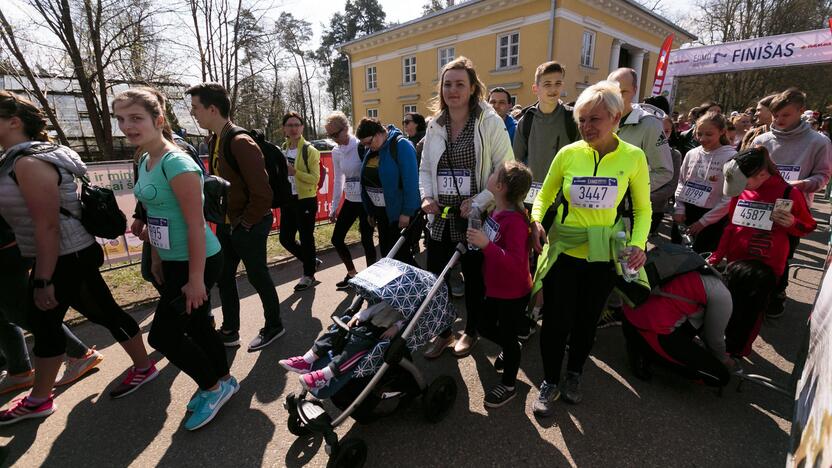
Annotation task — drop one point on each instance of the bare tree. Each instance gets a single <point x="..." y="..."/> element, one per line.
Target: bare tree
<point x="295" y="34"/>
<point x="7" y="34"/>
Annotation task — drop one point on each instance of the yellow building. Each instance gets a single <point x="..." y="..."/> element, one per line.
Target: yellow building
<point x="396" y="70"/>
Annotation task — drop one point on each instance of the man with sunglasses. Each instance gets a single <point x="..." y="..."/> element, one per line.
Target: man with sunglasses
<point x="346" y="163"/>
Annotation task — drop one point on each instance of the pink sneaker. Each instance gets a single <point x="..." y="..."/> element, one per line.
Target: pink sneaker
<point x="296" y="364"/>
<point x="314" y="380"/>
<point x="135" y="379"/>
<point x="21" y="409"/>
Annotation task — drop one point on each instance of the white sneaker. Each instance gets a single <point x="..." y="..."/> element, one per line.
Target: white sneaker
<point x="75" y="368"/>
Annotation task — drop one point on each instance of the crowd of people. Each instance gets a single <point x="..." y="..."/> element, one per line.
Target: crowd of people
<point x="568" y="196"/>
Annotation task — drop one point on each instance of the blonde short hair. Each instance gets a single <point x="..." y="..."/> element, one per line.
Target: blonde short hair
<point x="606" y="93"/>
<point x="338" y="117"/>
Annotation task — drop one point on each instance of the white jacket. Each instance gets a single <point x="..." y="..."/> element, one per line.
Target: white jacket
<point x="491" y="144"/>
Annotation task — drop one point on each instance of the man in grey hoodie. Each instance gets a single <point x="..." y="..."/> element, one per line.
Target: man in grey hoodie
<point x="804" y="158"/>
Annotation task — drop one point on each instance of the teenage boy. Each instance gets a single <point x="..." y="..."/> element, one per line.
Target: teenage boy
<point x="762" y="116"/>
<point x="249" y="220"/>
<point x="804" y="158"/>
<point x="500" y="100"/>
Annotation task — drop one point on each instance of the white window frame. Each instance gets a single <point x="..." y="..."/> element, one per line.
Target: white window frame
<point x="508" y="57"/>
<point x="408" y="108"/>
<point x="371" y="77"/>
<point x="588" y="56"/>
<point x="372" y="113"/>
<point x="443" y="57"/>
<point x="409" y="69"/>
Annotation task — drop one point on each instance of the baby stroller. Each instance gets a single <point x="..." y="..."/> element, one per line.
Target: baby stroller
<point x="385" y="379"/>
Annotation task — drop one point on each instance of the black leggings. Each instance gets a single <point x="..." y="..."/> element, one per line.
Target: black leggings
<point x="78" y="284"/>
<point x="574" y="294"/>
<point x="188" y="340"/>
<point x="388" y="235"/>
<point x="350" y="211"/>
<point x="708" y="239"/>
<point x="298" y="217"/>
<point x="498" y="322"/>
<point x="439" y="254"/>
<point x="692" y="360"/>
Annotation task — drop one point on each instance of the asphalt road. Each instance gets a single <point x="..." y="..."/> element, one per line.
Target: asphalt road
<point x="622" y="421"/>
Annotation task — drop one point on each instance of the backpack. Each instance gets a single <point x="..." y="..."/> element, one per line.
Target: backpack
<point x="321" y="168"/>
<point x="665" y="262"/>
<point x="276" y="166"/>
<point x="215" y="189"/>
<point x="571" y="126"/>
<point x="100" y="214"/>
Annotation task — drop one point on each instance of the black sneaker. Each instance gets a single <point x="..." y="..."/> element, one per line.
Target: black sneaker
<point x="571" y="388"/>
<point x="545" y="402"/>
<point x="265" y="338"/>
<point x="499" y="395"/>
<point x="230" y="339"/>
<point x="499" y="363"/>
<point x="777" y="306"/>
<point x="527" y="331"/>
<point x="344" y="284"/>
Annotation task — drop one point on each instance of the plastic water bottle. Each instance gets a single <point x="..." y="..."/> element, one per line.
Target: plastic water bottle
<point x="474" y="221"/>
<point x="687" y="237"/>
<point x="628" y="273"/>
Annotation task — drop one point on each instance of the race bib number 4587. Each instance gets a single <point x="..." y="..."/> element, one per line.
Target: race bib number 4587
<point x="753" y="214"/>
<point x="593" y="192"/>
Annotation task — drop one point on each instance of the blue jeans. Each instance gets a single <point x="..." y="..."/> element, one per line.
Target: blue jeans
<point x="248" y="246"/>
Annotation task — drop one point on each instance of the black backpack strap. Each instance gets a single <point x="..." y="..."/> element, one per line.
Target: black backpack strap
<point x="526" y="118"/>
<point x="304" y="151"/>
<point x="362" y="151"/>
<point x="571" y="126"/>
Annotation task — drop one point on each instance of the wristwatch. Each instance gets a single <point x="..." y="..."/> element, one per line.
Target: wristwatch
<point x="41" y="283"/>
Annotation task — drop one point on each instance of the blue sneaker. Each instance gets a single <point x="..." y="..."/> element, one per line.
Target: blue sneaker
<point x="195" y="400"/>
<point x="208" y="405"/>
<point x="233" y="384"/>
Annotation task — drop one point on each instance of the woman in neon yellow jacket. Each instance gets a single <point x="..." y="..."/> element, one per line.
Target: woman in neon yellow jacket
<point x="577" y="267"/>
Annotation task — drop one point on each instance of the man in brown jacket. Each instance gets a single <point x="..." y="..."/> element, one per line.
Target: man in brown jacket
<point x="249" y="219"/>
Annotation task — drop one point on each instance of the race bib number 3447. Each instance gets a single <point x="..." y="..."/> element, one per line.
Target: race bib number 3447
<point x="753" y="214"/>
<point x="593" y="192"/>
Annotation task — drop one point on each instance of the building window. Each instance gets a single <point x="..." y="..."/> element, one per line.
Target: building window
<point x="409" y="108"/>
<point x="508" y="50"/>
<point x="372" y="113"/>
<point x="372" y="77"/>
<point x="588" y="49"/>
<point x="409" y="69"/>
<point x="446" y="55"/>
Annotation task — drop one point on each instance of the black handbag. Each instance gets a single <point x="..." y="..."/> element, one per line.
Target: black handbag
<point x="100" y="214"/>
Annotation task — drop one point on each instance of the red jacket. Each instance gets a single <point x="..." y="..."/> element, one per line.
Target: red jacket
<point x="771" y="247"/>
<point x="505" y="266"/>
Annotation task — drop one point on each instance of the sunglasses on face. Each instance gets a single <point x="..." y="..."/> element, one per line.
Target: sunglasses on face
<point x="334" y="135"/>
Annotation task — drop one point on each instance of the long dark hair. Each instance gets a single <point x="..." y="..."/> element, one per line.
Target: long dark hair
<point x="34" y="122"/>
<point x="751" y="283"/>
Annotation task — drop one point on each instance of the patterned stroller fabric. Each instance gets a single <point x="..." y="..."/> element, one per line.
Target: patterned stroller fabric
<point x="404" y="287"/>
<point x="405" y="292"/>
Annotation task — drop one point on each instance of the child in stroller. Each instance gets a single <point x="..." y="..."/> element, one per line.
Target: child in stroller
<point x="377" y="322"/>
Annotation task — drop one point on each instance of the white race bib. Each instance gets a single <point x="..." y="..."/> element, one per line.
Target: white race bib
<point x="376" y="196"/>
<point x="753" y="214"/>
<point x="789" y="172"/>
<point x="533" y="191"/>
<point x="158" y="232"/>
<point x="492" y="229"/>
<point x="448" y="187"/>
<point x="593" y="192"/>
<point x="379" y="275"/>
<point x="352" y="187"/>
<point x="294" y="187"/>
<point x="695" y="193"/>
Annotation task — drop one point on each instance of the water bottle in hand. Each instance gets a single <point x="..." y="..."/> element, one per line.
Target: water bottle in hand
<point x="628" y="273"/>
<point x="474" y="222"/>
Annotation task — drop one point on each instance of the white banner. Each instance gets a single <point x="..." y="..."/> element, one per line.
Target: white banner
<point x="786" y="50"/>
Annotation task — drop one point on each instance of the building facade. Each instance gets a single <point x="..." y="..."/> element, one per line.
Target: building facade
<point x="397" y="70"/>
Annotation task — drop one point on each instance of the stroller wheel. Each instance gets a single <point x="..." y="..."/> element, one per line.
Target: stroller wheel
<point x="348" y="453"/>
<point x="296" y="427"/>
<point x="439" y="398"/>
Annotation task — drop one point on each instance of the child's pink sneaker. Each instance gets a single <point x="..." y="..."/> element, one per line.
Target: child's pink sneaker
<point x="296" y="364"/>
<point x="314" y="380"/>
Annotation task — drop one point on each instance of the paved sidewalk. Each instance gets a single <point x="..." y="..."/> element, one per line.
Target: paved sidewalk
<point x="621" y="422"/>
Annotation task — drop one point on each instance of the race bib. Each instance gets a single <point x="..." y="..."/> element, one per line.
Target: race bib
<point x="789" y="172"/>
<point x="695" y="193"/>
<point x="294" y="187"/>
<point x="447" y="186"/>
<point x="753" y="214"/>
<point x="593" y="192"/>
<point x="352" y="187"/>
<point x="492" y="229"/>
<point x="533" y="191"/>
<point x="379" y="275"/>
<point x="158" y="232"/>
<point x="376" y="195"/>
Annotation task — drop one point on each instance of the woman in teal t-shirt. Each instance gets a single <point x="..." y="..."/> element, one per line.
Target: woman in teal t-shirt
<point x="186" y="254"/>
